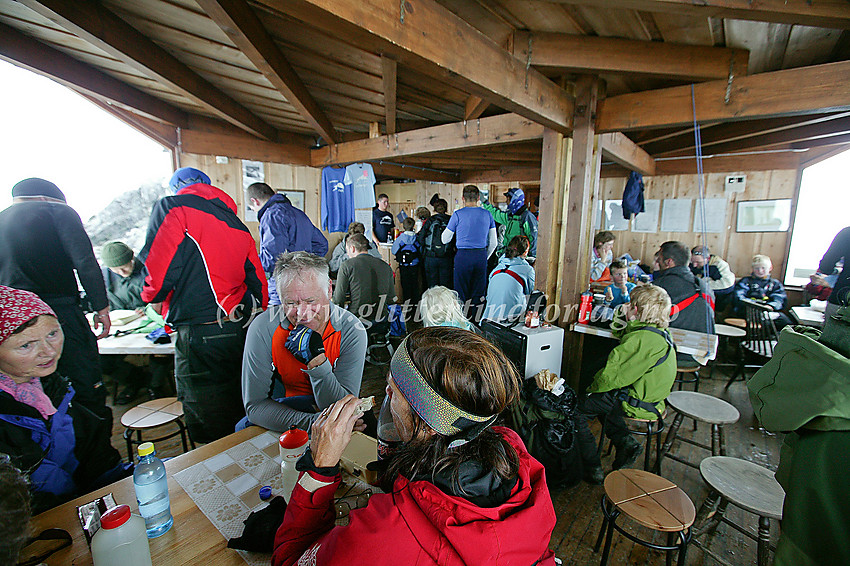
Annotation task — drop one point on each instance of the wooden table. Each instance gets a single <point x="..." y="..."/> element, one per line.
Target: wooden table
<point x="808" y="316"/>
<point x="192" y="539"/>
<point x="697" y="344"/>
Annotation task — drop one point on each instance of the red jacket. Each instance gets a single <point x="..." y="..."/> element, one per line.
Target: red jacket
<point x="419" y="525"/>
<point x="201" y="259"/>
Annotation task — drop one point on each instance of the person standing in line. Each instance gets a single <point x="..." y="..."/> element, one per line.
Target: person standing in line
<point x="283" y="228"/>
<point x="45" y="249"/>
<point x="407" y="252"/>
<point x="518" y="220"/>
<point x="203" y="267"/>
<point x="476" y="240"/>
<point x="382" y="220"/>
<point x="438" y="256"/>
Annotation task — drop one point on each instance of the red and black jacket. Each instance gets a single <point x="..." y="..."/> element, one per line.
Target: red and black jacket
<point x="201" y="259"/>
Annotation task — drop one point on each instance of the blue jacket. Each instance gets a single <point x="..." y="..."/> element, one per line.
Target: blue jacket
<point x="769" y="290"/>
<point x="407" y="241"/>
<point x="284" y="228"/>
<point x="506" y="297"/>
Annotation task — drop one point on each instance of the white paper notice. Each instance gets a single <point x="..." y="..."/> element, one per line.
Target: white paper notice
<point x="364" y="215"/>
<point x="614" y="216"/>
<point x="647" y="221"/>
<point x="676" y="215"/>
<point x="715" y="216"/>
<point x="252" y="172"/>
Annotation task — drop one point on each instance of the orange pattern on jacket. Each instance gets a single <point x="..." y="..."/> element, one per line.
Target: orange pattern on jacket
<point x="290" y="370"/>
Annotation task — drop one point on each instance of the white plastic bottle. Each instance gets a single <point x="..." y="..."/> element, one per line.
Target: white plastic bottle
<point x="121" y="540"/>
<point x="151" y="485"/>
<point x="293" y="443"/>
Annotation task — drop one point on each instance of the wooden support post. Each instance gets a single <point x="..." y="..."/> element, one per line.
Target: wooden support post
<point x="374" y="129"/>
<point x="553" y="184"/>
<point x="578" y="215"/>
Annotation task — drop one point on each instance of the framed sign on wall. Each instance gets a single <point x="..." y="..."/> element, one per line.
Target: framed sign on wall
<point x="764" y="215"/>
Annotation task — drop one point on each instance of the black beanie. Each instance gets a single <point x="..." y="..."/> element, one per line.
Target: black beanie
<point x="434" y="199"/>
<point x="35" y="187"/>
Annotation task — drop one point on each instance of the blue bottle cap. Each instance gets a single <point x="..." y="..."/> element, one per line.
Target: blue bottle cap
<point x="265" y="492"/>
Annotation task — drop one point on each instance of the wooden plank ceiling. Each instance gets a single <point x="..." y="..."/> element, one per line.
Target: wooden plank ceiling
<point x="449" y="89"/>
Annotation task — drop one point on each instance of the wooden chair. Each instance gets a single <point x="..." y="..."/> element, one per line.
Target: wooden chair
<point x="652" y="502"/>
<point x="760" y="340"/>
<point x="744" y="485"/>
<point x="154" y="414"/>
<point x="703" y="408"/>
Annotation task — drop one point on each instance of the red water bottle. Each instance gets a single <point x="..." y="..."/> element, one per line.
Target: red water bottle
<point x="585" y="307"/>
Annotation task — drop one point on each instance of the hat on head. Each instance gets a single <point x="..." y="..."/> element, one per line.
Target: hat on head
<point x="116" y="254"/>
<point x="18" y="307"/>
<point x="517" y="200"/>
<point x="186" y="176"/>
<point x="35" y="187"/>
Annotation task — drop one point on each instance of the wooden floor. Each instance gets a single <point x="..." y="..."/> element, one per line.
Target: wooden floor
<point x="577" y="509"/>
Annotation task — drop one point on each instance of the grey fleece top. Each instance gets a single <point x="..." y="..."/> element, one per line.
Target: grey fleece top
<point x="330" y="383"/>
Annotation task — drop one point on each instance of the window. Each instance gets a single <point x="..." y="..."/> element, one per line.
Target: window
<point x="822" y="211"/>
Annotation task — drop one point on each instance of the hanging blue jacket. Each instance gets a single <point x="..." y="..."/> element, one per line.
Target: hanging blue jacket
<point x="633" y="195"/>
<point x="284" y="228"/>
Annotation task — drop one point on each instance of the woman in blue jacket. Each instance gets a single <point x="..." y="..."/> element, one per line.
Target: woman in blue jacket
<point x="62" y="446"/>
<point x="510" y="283"/>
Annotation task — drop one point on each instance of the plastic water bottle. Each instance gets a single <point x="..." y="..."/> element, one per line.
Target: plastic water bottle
<point x="293" y="443"/>
<point x="388" y="437"/>
<point x="120" y="540"/>
<point x="151" y="486"/>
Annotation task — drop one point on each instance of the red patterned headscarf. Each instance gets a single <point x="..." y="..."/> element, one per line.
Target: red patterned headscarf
<point x="18" y="307"/>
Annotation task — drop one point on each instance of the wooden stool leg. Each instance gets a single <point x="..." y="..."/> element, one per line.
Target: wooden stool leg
<point x="696" y="383"/>
<point x="722" y="436"/>
<point x="718" y="515"/>
<point x="128" y="438"/>
<point x="668" y="441"/>
<point x="764" y="542"/>
<point x="715" y="440"/>
<point x="679" y="378"/>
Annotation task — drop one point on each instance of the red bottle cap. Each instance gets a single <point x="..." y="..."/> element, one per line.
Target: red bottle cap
<point x="293" y="438"/>
<point x="115" y="517"/>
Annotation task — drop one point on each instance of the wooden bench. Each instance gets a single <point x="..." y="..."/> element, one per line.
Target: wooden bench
<point x="652" y="502"/>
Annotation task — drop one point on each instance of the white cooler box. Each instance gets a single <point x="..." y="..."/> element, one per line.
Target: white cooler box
<point x="530" y="349"/>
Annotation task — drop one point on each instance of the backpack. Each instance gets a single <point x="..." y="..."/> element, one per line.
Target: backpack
<point x="407" y="254"/>
<point x="434" y="246"/>
<point x="546" y="423"/>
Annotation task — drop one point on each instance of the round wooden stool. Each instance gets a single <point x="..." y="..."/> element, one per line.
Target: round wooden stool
<point x="153" y="414"/>
<point x="703" y="408"/>
<point x="744" y="485"/>
<point x="681" y="376"/>
<point x="652" y="502"/>
<point x="642" y="427"/>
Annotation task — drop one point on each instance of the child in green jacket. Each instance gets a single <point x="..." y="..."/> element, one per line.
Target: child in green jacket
<point x="634" y="382"/>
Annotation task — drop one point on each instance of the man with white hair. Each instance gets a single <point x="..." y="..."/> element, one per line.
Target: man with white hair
<point x="304" y="355"/>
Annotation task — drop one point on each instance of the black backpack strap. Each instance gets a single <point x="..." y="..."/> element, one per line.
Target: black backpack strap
<point x="670" y="345"/>
<point x="624" y="395"/>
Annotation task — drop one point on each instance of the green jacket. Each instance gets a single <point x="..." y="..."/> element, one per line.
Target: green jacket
<point x="523" y="223"/>
<point x="630" y="365"/>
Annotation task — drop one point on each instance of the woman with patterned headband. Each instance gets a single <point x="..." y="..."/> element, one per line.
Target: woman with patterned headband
<point x="463" y="491"/>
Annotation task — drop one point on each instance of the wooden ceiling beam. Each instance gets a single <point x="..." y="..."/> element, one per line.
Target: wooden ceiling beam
<point x="806" y="90"/>
<point x="400" y="171"/>
<point x="839" y="139"/>
<point x="163" y="134"/>
<point x="620" y="149"/>
<point x="94" y="23"/>
<point x="428" y="38"/>
<point x="501" y="175"/>
<point x="581" y="53"/>
<point x="26" y="52"/>
<point x="824" y="13"/>
<point x="495" y="130"/>
<point x="475" y="107"/>
<point x="724" y="133"/>
<point x="389" y="75"/>
<point x="244" y="28"/>
<point x="243" y="147"/>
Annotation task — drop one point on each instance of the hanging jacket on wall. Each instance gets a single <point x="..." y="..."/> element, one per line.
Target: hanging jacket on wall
<point x="633" y="195"/>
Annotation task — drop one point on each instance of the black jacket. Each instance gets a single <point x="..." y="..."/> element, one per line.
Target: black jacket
<point x="92" y="433"/>
<point x="838" y="249"/>
<point x="681" y="284"/>
<point x="43" y="243"/>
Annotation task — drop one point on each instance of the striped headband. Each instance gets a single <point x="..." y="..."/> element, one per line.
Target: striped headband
<point x="441" y="415"/>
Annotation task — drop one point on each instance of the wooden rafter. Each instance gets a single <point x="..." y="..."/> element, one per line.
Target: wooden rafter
<point x="245" y="29"/>
<point x="243" y="147"/>
<point x="495" y="130"/>
<point x="428" y="38"/>
<point x="100" y="27"/>
<point x="620" y="149"/>
<point x="389" y="74"/>
<point x="805" y="90"/>
<point x="613" y="55"/>
<point x="420" y="173"/>
<point x="475" y="107"/>
<point x="823" y="13"/>
<point x="23" y="51"/>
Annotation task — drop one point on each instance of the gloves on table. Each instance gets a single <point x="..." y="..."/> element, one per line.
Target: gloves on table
<point x="304" y="343"/>
<point x="260" y="528"/>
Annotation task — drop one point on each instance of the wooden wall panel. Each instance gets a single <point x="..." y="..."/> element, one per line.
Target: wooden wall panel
<point x="736" y="248"/>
